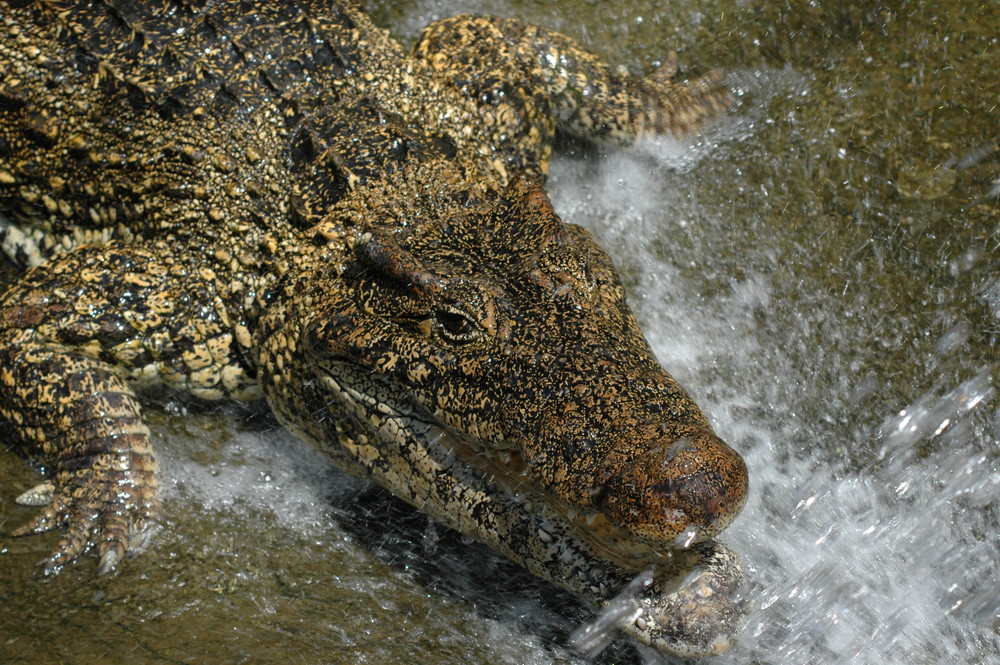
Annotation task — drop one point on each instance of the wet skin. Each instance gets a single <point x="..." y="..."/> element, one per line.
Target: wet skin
<point x="275" y="200"/>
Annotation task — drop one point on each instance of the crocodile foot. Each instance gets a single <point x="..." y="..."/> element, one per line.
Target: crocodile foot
<point x="102" y="505"/>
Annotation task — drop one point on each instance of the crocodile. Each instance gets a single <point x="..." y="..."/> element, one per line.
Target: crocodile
<point x="236" y="200"/>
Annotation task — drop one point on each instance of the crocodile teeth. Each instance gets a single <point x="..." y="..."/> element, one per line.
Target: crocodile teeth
<point x="591" y="518"/>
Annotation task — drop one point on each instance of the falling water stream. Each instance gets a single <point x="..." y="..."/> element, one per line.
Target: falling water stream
<point x="821" y="269"/>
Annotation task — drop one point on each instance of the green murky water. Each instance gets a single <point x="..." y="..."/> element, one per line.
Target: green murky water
<point x="830" y="260"/>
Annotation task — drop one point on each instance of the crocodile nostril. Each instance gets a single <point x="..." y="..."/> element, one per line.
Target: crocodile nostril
<point x="687" y="489"/>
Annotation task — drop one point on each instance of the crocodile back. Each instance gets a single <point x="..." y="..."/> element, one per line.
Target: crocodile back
<point x="187" y="120"/>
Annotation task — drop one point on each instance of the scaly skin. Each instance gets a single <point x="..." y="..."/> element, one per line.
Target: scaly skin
<point x="274" y="199"/>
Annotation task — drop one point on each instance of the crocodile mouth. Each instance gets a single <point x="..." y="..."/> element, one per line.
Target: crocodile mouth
<point x="507" y="471"/>
<point x="683" y="598"/>
<point x="418" y="456"/>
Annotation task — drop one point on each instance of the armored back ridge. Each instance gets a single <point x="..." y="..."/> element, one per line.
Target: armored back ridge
<point x="243" y="199"/>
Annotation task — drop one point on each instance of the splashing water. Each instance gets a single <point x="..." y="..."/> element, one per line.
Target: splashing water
<point x="884" y="558"/>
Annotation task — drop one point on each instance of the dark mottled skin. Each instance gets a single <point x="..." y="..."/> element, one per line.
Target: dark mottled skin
<point x="245" y="198"/>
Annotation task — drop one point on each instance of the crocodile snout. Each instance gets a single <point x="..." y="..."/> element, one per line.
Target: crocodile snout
<point x="680" y="490"/>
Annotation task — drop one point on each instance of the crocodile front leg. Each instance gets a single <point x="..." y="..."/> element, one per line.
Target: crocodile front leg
<point x="85" y="425"/>
<point x="75" y="335"/>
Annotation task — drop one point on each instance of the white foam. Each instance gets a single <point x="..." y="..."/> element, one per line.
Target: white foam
<point x="253" y="472"/>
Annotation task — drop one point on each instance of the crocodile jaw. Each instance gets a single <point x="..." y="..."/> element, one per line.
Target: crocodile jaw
<point x="692" y="603"/>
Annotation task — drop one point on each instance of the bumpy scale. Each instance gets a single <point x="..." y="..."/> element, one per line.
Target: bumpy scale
<point x="243" y="199"/>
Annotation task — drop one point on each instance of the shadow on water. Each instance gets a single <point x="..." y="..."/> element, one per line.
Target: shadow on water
<point x="822" y="271"/>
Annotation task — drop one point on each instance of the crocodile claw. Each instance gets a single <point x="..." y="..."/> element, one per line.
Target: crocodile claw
<point x="114" y="511"/>
<point x="39" y="495"/>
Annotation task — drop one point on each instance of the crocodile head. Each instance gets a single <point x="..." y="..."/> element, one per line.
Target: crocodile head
<point x="488" y="370"/>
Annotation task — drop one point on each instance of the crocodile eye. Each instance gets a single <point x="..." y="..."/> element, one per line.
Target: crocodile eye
<point x="455" y="326"/>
